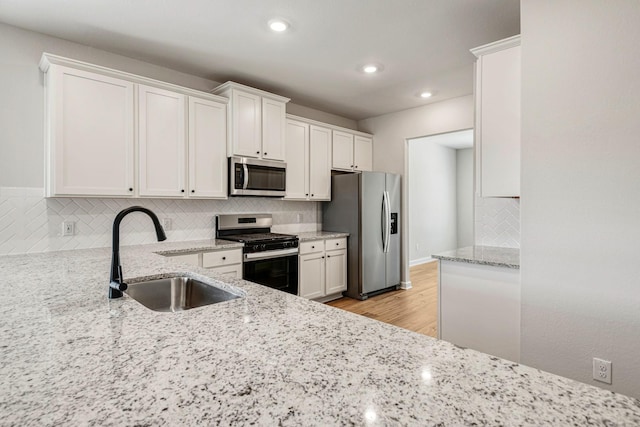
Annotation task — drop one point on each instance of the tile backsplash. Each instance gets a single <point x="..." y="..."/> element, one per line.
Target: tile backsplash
<point x="29" y="222"/>
<point x="497" y="222"/>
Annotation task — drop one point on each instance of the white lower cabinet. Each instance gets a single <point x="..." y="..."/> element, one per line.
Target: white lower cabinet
<point x="227" y="262"/>
<point x="323" y="268"/>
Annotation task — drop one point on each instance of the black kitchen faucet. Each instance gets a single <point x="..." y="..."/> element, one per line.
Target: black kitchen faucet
<point x="116" y="281"/>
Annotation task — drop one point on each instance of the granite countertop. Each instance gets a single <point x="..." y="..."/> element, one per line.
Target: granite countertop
<point x="175" y="248"/>
<point x="485" y="255"/>
<point x="319" y="235"/>
<point x="71" y="356"/>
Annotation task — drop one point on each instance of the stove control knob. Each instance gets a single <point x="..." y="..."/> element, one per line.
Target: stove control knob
<point x="263" y="246"/>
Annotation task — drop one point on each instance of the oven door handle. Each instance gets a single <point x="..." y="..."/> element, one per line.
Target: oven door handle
<point x="270" y="254"/>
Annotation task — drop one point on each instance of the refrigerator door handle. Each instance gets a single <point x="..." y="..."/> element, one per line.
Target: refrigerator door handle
<point x="386" y="209"/>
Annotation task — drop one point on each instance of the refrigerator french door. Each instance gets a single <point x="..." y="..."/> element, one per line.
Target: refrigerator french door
<point x="367" y="206"/>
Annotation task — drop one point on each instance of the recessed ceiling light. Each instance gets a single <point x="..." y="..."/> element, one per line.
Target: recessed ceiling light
<point x="370" y="69"/>
<point x="278" y="25"/>
<point x="425" y="95"/>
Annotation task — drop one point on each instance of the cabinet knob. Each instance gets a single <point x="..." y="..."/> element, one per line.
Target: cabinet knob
<point x="313" y="247"/>
<point x="323" y="257"/>
<point x="257" y="152"/>
<point x="306" y="194"/>
<point x="182" y="191"/>
<point x="328" y="256"/>
<point x="351" y="166"/>
<point x="337" y="244"/>
<point x="224" y="258"/>
<point x="130" y="189"/>
<point x="356" y="166"/>
<point x="312" y="195"/>
<point x="265" y="153"/>
<point x="193" y="191"/>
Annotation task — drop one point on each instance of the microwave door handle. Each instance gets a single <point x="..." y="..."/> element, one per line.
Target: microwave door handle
<point x="245" y="176"/>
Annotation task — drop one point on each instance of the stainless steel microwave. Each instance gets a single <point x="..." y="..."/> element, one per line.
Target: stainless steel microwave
<point x="255" y="177"/>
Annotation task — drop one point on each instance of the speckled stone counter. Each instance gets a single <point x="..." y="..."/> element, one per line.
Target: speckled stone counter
<point x="319" y="235"/>
<point x="174" y="248"/>
<point x="484" y="255"/>
<point x="70" y="356"/>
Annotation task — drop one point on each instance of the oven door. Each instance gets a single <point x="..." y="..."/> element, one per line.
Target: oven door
<point x="255" y="177"/>
<point x="277" y="272"/>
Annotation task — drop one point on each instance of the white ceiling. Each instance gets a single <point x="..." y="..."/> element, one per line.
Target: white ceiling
<point x="422" y="44"/>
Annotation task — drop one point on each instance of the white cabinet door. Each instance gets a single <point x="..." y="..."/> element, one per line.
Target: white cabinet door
<point x="319" y="163"/>
<point x="207" y="149"/>
<point x="336" y="276"/>
<point x="342" y="150"/>
<point x="161" y="142"/>
<point x="498" y="122"/>
<point x="273" y="129"/>
<point x="246" y="111"/>
<point x="297" y="158"/>
<point x="91" y="134"/>
<point x="312" y="275"/>
<point x="362" y="153"/>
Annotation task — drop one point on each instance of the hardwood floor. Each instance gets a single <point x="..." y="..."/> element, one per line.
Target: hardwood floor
<point x="415" y="309"/>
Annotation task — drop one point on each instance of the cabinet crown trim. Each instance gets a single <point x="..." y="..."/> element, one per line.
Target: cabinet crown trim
<point x="225" y="87"/>
<point x="496" y="46"/>
<point x="328" y="126"/>
<point x="48" y="59"/>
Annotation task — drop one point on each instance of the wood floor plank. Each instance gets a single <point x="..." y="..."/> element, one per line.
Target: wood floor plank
<point x="414" y="309"/>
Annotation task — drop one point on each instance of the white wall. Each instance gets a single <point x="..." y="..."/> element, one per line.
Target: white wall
<point x="464" y="197"/>
<point x="391" y="131"/>
<point x="432" y="199"/>
<point x="580" y="263"/>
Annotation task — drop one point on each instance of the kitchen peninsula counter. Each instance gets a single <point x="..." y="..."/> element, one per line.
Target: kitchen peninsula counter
<point x="483" y="255"/>
<point x="70" y="356"/>
<point x="319" y="235"/>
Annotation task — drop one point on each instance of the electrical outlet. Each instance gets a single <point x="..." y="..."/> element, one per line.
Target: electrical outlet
<point x="299" y="218"/>
<point x="417" y="246"/>
<point x="68" y="228"/>
<point x="602" y="370"/>
<point x="166" y="223"/>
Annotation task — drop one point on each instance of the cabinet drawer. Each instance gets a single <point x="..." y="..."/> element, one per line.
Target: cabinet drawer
<point x="333" y="244"/>
<point x="191" y="259"/>
<point x="231" y="271"/>
<point x="220" y="258"/>
<point x="311" y="247"/>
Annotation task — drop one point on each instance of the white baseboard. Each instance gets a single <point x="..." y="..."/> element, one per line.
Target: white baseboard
<point x="419" y="261"/>
<point x="405" y="285"/>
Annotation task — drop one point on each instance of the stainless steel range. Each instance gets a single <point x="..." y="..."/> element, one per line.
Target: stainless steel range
<point x="270" y="259"/>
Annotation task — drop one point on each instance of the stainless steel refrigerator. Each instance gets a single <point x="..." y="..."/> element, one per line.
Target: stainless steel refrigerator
<point x="367" y="206"/>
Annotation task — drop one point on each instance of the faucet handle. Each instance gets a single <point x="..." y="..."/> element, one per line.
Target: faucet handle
<point x="118" y="286"/>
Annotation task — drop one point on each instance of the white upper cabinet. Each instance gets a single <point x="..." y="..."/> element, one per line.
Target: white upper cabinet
<point x="256" y="123"/>
<point x="273" y="129"/>
<point x="297" y="140"/>
<point x="319" y="163"/>
<point x="246" y="124"/>
<point x="92" y="116"/>
<point x="497" y="129"/>
<point x="308" y="161"/>
<point x="90" y="132"/>
<point x="342" y="150"/>
<point x="352" y="152"/>
<point x="362" y="153"/>
<point x="207" y="148"/>
<point x="162" y="142"/>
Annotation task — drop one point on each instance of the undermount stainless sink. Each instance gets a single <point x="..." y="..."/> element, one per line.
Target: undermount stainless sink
<point x="177" y="293"/>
